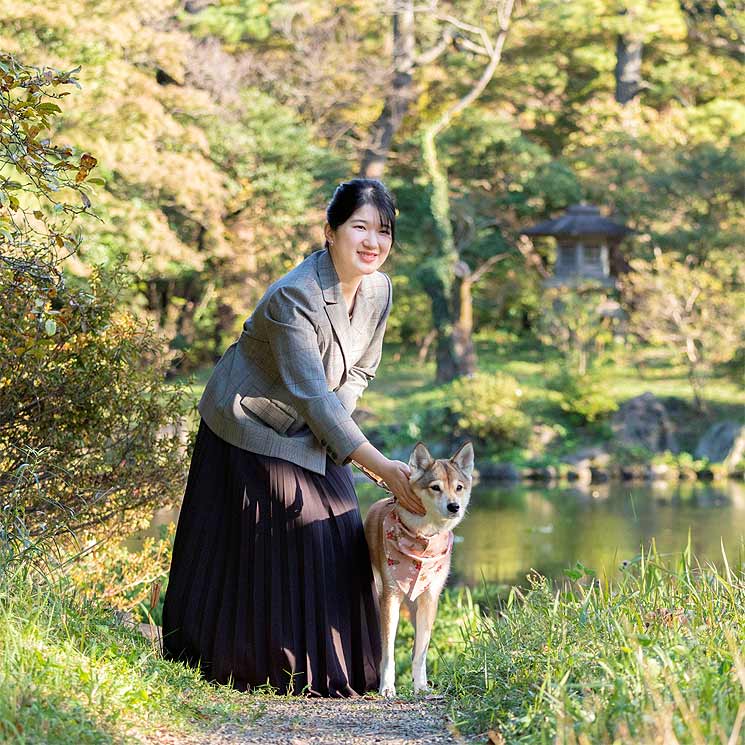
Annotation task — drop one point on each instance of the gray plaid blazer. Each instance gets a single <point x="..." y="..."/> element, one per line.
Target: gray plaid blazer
<point x="288" y="386"/>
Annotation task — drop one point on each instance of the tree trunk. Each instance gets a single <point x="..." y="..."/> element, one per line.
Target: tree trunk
<point x="628" y="68"/>
<point x="423" y="352"/>
<point x="464" y="351"/>
<point x="400" y="96"/>
<point x="451" y="302"/>
<point x="442" y="318"/>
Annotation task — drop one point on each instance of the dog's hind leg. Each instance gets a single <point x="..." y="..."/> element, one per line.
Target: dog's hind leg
<point x="390" y="605"/>
<point x="426" y="610"/>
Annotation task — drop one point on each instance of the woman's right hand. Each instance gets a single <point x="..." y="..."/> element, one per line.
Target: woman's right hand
<point x="395" y="473"/>
<point x="396" y="476"/>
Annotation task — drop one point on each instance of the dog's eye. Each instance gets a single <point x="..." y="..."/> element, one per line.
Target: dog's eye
<point x="459" y="487"/>
<point x="435" y="487"/>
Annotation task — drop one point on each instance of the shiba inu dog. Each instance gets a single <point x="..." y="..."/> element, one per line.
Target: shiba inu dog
<point x="410" y="554"/>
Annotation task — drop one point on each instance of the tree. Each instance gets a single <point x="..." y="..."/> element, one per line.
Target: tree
<point x="448" y="280"/>
<point x="696" y="309"/>
<point x="575" y="320"/>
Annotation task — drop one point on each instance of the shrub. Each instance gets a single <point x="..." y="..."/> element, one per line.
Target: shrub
<point x="486" y="408"/>
<point x="88" y="428"/>
<point x="583" y="396"/>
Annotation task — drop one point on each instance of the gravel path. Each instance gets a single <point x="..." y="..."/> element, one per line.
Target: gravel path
<point x="305" y="721"/>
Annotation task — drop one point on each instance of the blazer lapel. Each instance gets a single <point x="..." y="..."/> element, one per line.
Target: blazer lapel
<point x="364" y="308"/>
<point x="336" y="308"/>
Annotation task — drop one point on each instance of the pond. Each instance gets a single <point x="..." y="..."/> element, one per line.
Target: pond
<point x="510" y="531"/>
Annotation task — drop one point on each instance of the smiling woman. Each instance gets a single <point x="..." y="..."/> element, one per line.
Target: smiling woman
<point x="361" y="242"/>
<point x="270" y="578"/>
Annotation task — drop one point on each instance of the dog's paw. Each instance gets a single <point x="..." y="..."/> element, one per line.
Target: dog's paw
<point x="421" y="689"/>
<point x="388" y="691"/>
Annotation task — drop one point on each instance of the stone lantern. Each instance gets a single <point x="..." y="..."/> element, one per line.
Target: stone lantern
<point x="587" y="246"/>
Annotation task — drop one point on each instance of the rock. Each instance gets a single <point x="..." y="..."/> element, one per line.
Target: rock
<point x="643" y="421"/>
<point x="661" y="472"/>
<point x="580" y="475"/>
<point x="547" y="473"/>
<point x="705" y="474"/>
<point x="634" y="472"/>
<point x="723" y="442"/>
<point x="499" y="471"/>
<point x="595" y="454"/>
<point x="599" y="475"/>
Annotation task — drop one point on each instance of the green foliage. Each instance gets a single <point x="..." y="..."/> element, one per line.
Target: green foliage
<point x="486" y="407"/>
<point x="456" y="621"/>
<point x="573" y="321"/>
<point x="584" y="397"/>
<point x="69" y="672"/>
<point x="88" y="427"/>
<point x="38" y="178"/>
<point x="682" y="461"/>
<point x="657" y="651"/>
<point x="130" y="576"/>
<point x="234" y="21"/>
<point x="221" y="130"/>
<point x="696" y="309"/>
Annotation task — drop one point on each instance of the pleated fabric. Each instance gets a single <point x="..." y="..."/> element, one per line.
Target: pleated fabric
<point x="270" y="577"/>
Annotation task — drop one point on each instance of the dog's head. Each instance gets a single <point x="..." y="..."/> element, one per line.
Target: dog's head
<point x="444" y="486"/>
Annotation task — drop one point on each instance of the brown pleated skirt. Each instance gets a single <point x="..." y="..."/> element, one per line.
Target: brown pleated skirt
<point x="270" y="578"/>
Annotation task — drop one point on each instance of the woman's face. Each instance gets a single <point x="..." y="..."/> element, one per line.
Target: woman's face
<point x="360" y="245"/>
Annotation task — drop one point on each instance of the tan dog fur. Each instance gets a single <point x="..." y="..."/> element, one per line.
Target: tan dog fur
<point x="438" y="483"/>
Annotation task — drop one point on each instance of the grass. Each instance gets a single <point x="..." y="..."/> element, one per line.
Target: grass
<point x="655" y="652"/>
<point x="653" y="655"/>
<point x="70" y="673"/>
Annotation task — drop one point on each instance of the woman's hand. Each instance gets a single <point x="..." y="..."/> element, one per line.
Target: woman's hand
<point x="395" y="473"/>
<point x="396" y="476"/>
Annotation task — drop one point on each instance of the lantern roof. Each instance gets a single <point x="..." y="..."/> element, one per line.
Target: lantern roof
<point x="579" y="219"/>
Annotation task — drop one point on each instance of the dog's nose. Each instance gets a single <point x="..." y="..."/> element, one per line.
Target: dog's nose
<point x="453" y="507"/>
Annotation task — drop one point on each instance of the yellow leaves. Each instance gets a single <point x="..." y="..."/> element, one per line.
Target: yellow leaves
<point x="87" y="164"/>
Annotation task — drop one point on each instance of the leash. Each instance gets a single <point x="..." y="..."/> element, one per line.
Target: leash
<point x="372" y="476"/>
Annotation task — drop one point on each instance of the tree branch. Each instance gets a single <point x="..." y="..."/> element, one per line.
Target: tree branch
<point x="482" y="269"/>
<point x="438" y="49"/>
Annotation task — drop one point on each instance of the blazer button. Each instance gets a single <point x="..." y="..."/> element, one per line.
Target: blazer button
<point x="324" y="443"/>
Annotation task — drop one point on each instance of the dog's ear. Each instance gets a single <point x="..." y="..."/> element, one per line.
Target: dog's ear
<point x="464" y="459"/>
<point x="420" y="458"/>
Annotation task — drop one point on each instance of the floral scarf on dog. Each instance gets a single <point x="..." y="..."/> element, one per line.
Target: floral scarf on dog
<point x="413" y="559"/>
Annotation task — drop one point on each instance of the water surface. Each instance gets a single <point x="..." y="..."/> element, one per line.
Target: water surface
<point x="510" y="531"/>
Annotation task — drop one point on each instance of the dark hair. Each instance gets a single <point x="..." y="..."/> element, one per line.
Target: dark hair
<point x="349" y="196"/>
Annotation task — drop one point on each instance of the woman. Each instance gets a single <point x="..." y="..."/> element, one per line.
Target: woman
<point x="270" y="578"/>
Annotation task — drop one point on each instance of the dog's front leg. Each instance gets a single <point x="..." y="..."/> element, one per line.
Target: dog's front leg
<point x="426" y="610"/>
<point x="390" y="605"/>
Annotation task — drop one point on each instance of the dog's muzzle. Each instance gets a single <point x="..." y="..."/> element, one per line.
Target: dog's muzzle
<point x="453" y="507"/>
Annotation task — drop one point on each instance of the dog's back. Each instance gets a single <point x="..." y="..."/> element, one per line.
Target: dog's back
<point x="374" y="535"/>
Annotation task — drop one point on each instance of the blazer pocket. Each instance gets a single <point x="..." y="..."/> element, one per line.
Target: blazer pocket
<point x="269" y="413"/>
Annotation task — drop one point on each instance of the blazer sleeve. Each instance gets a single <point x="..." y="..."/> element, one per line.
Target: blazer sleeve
<point x="294" y="344"/>
<point x="360" y="374"/>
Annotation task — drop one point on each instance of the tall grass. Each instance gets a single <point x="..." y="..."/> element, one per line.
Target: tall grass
<point x="70" y="673"/>
<point x="653" y="657"/>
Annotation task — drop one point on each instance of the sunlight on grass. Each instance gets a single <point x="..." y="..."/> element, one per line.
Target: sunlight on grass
<point x="656" y="652"/>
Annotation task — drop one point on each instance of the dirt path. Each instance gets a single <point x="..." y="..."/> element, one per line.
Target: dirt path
<point x="330" y="722"/>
